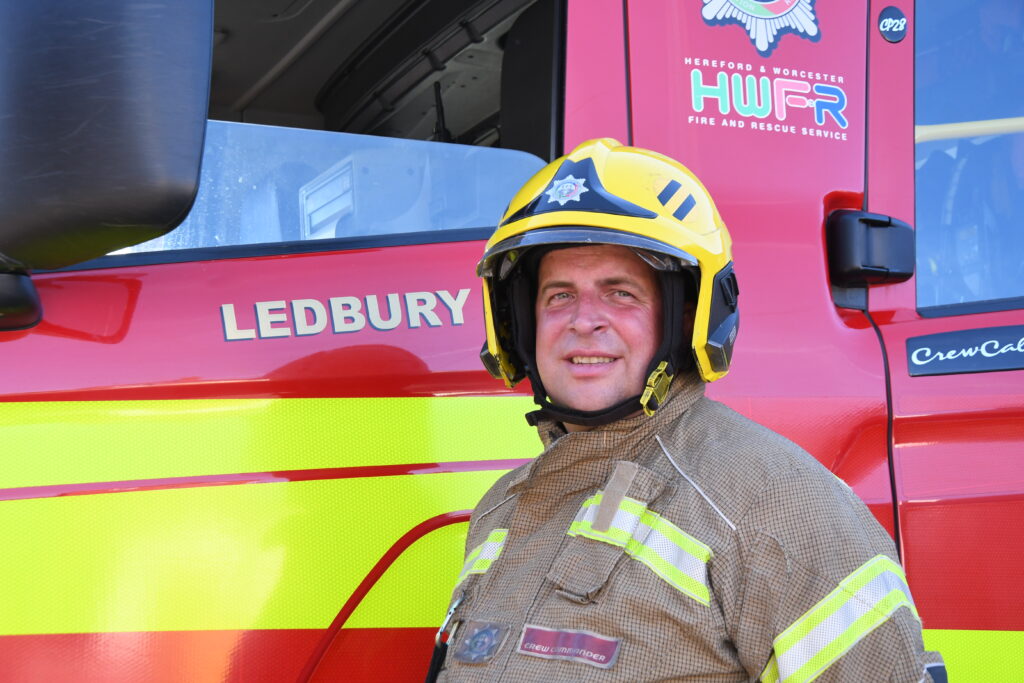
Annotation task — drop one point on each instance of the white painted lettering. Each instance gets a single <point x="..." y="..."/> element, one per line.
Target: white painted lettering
<point x="990" y="344"/>
<point x="421" y="305"/>
<point x="454" y="304"/>
<point x="990" y="349"/>
<point x="394" y="312"/>
<point x="231" y="330"/>
<point x="345" y="312"/>
<point x="921" y="356"/>
<point x="268" y="313"/>
<point x="303" y="326"/>
<point x="891" y="24"/>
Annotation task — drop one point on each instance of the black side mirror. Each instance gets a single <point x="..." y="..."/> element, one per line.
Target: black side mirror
<point x="104" y="112"/>
<point x="19" y="302"/>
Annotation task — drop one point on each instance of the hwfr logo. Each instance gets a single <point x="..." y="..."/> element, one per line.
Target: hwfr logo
<point x="759" y="97"/>
<point x="765" y="20"/>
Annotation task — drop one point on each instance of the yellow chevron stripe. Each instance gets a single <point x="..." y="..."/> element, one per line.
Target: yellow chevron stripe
<point x="978" y="655"/>
<point x="233" y="557"/>
<point x="274" y="555"/>
<point x="97" y="441"/>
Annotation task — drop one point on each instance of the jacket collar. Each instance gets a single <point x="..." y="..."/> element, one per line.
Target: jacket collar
<point x="597" y="448"/>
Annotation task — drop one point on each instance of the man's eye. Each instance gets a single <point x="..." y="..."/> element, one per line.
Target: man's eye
<point x="560" y="296"/>
<point x="622" y="293"/>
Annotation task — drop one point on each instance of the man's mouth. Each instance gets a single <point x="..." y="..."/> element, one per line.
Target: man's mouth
<point x="590" y="360"/>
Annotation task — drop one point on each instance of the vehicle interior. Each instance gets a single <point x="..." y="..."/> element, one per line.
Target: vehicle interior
<point x="478" y="72"/>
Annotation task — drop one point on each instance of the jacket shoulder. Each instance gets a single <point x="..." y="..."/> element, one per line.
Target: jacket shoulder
<point x="765" y="483"/>
<point x="733" y="456"/>
<point x="479" y="524"/>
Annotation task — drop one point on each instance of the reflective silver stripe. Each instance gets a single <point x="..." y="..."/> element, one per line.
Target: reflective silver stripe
<point x="693" y="567"/>
<point x="664" y="548"/>
<point x="481" y="557"/>
<point x="624" y="522"/>
<point x="861" y="603"/>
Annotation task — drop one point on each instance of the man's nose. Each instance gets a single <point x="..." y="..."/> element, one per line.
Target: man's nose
<point x="588" y="316"/>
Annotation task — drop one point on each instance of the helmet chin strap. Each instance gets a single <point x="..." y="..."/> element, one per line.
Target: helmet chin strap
<point x="583" y="418"/>
<point x="649" y="401"/>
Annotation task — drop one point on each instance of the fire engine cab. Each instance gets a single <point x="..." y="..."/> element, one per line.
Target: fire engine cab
<point x="243" y="413"/>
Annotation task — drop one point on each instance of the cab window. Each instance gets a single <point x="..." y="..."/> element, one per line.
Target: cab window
<point x="969" y="158"/>
<point x="371" y="122"/>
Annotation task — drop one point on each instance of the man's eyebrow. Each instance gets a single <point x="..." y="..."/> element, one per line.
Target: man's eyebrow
<point x="556" y="284"/>
<point x="606" y="282"/>
<point x="613" y="281"/>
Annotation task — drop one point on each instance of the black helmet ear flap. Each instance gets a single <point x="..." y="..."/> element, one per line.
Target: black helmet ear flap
<point x="724" y="318"/>
<point x="522" y="294"/>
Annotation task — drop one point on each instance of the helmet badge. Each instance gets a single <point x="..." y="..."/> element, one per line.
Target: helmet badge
<point x="567" y="189"/>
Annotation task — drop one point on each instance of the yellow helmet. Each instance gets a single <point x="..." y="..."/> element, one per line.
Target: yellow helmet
<point x="605" y="193"/>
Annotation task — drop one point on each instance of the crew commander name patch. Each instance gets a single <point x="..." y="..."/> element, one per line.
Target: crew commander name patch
<point x="578" y="646"/>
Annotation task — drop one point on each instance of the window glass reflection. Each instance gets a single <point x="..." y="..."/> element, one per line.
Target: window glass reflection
<point x="970" y="151"/>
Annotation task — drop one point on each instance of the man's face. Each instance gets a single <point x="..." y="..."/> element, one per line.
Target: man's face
<point x="598" y="315"/>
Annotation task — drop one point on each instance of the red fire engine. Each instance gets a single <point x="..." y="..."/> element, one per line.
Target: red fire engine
<point x="245" y="449"/>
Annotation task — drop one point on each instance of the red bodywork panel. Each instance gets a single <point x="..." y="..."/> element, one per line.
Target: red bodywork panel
<point x="111" y="353"/>
<point x="803" y="366"/>
<point x="230" y="656"/>
<point x="956" y="438"/>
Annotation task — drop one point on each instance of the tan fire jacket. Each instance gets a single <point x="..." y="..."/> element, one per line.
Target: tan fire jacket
<point x="694" y="545"/>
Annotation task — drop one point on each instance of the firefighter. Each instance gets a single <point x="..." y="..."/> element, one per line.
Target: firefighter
<point x="660" y="535"/>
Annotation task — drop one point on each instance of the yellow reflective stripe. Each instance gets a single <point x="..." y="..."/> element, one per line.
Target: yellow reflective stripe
<point x="267" y="556"/>
<point x="670" y="573"/>
<point x="470" y="559"/>
<point x="402" y="596"/>
<point x="678" y="537"/>
<point x="626" y="519"/>
<point x="483" y="556"/>
<point x="674" y="556"/>
<point x="668" y="551"/>
<point x="100" y="441"/>
<point x="858" y="605"/>
<point x="978" y="655"/>
<point x="771" y="672"/>
<point x="279" y="555"/>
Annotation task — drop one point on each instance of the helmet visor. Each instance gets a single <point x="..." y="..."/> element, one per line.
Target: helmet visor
<point x="501" y="259"/>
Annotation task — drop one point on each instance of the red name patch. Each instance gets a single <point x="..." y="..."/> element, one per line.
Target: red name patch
<point x="578" y="646"/>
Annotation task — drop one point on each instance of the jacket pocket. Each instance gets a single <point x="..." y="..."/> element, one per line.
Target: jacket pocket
<point x="582" y="569"/>
<point x="601" y="531"/>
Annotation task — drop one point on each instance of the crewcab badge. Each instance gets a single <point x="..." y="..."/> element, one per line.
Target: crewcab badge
<point x="987" y="349"/>
<point x="479" y="641"/>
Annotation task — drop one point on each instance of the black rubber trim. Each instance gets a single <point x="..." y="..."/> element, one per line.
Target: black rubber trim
<point x="629" y="71"/>
<point x="867" y="312"/>
<point x="558" y="82"/>
<point x="889" y="437"/>
<point x="149" y="258"/>
<point x="971" y="307"/>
